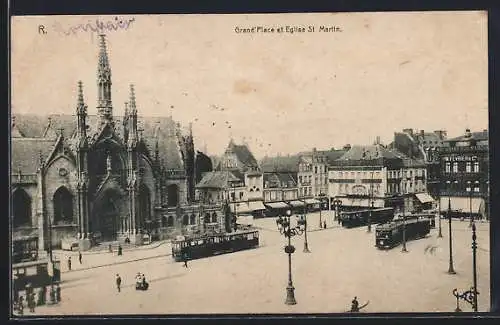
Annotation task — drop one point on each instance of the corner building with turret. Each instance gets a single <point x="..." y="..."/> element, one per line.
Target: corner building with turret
<point x="103" y="178"/>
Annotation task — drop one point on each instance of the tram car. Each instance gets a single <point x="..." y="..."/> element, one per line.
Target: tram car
<point x="390" y="235"/>
<point x="350" y="219"/>
<point x="213" y="244"/>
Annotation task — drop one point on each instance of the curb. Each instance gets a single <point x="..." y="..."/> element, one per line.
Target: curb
<point x="118" y="263"/>
<point x="105" y="251"/>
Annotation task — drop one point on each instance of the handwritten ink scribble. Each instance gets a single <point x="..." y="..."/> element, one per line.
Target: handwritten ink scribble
<point x="97" y="26"/>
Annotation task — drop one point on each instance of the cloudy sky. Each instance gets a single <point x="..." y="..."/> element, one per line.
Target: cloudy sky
<point x="279" y="92"/>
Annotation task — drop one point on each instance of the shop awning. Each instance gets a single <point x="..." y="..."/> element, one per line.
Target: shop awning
<point x="424" y="198"/>
<point x="277" y="205"/>
<point x="256" y="205"/>
<point x="296" y="203"/>
<point x="462" y="204"/>
<point x="311" y="201"/>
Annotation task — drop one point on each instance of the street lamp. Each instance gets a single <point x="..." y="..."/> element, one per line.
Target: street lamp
<point x="303" y="221"/>
<point x="404" y="250"/>
<point x="440" y="233"/>
<point x="369" y="229"/>
<point x="469" y="189"/>
<point x="337" y="204"/>
<point x="450" y="267"/>
<point x="474" y="266"/>
<point x="286" y="229"/>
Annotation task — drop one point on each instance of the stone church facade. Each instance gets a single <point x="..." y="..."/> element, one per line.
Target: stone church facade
<point x="104" y="177"/>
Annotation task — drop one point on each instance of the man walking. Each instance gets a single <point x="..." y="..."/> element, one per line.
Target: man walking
<point x="185" y="260"/>
<point x="80" y="257"/>
<point x="118" y="282"/>
<point x="69" y="263"/>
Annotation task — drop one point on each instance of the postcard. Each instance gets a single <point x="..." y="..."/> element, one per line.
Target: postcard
<point x="250" y="164"/>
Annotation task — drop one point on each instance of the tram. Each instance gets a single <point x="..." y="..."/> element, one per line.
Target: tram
<point x="390" y="235"/>
<point x="24" y="249"/>
<point x="350" y="219"/>
<point x="208" y="245"/>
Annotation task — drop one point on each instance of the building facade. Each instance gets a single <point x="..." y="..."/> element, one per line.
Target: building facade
<point x="313" y="175"/>
<point x="423" y="146"/>
<point x="464" y="165"/>
<point x="102" y="177"/>
<point x="237" y="179"/>
<point x="374" y="176"/>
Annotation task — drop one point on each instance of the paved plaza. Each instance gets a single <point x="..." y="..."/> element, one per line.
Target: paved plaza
<point x="343" y="263"/>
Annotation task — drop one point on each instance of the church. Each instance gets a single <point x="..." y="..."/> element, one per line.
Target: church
<point x="103" y="177"/>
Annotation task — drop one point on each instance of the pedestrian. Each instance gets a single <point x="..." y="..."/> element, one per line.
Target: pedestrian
<point x="41" y="296"/>
<point x="31" y="302"/>
<point x="21" y="306"/>
<point x="118" y="282"/>
<point x="355" y="305"/>
<point x="80" y="257"/>
<point x="120" y="250"/>
<point x="58" y="293"/>
<point x="185" y="260"/>
<point x="324" y="224"/>
<point x="69" y="263"/>
<point x="110" y="249"/>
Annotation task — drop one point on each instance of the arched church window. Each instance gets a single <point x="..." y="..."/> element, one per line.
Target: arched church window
<point x="185" y="220"/>
<point x="164" y="221"/>
<point x="63" y="206"/>
<point x="21" y="206"/>
<point x="207" y="218"/>
<point x="144" y="203"/>
<point x="170" y="222"/>
<point x="172" y="195"/>
<point x="214" y="217"/>
<point x="192" y="219"/>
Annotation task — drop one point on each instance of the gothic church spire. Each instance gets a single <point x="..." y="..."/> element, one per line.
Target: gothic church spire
<point x="104" y="106"/>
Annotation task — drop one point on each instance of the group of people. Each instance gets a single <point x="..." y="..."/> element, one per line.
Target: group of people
<point x="37" y="299"/>
<point x="140" y="282"/>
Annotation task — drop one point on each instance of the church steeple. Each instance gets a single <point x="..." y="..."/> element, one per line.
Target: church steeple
<point x="104" y="106"/>
<point x="132" y="119"/>
<point x="81" y="113"/>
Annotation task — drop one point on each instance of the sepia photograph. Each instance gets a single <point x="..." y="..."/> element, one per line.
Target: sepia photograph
<point x="301" y="163"/>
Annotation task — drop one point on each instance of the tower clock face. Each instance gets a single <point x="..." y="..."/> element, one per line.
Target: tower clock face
<point x="63" y="172"/>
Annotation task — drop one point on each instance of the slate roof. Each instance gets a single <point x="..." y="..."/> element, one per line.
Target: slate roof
<point x="243" y="154"/>
<point x="478" y="136"/>
<point x="276" y="179"/>
<point x="280" y="164"/>
<point x="217" y="179"/>
<point x="47" y="127"/>
<point x="369" y="152"/>
<point x="25" y="155"/>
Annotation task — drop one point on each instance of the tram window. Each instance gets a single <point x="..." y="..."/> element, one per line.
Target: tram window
<point x="31" y="271"/>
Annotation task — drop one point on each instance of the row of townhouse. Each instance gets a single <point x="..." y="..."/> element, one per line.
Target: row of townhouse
<point x="419" y="170"/>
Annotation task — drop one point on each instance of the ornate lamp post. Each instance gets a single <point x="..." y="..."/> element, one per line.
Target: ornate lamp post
<point x="404" y="250"/>
<point x="369" y="229"/>
<point x="469" y="189"/>
<point x="303" y="221"/>
<point x="450" y="267"/>
<point x="474" y="266"/>
<point x="286" y="229"/>
<point x="440" y="233"/>
<point x="337" y="204"/>
<point x="470" y="296"/>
